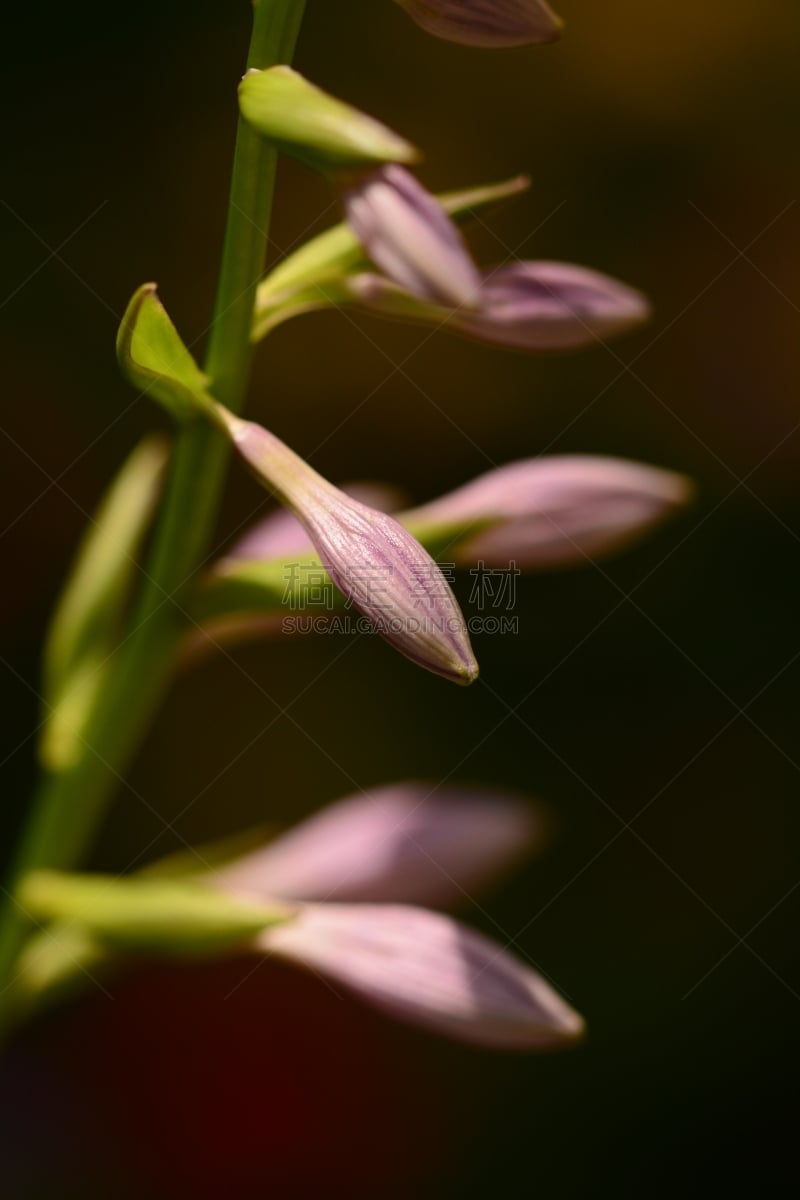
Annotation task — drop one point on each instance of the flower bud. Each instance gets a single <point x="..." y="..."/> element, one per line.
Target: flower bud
<point x="280" y="533"/>
<point x="429" y="970"/>
<point x="489" y="23"/>
<point x="553" y="512"/>
<point x="374" y="561"/>
<point x="408" y="234"/>
<point x="533" y="306"/>
<point x="413" y="843"/>
<point x="307" y="123"/>
<point x="315" y="275"/>
<point x="551" y="306"/>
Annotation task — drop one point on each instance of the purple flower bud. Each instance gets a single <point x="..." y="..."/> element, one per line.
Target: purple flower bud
<point x="374" y="561"/>
<point x="486" y="22"/>
<point x="533" y="306"/>
<point x="551" y="306"/>
<point x="413" y="843"/>
<point x="555" y="512"/>
<point x="429" y="970"/>
<point x="408" y="234"/>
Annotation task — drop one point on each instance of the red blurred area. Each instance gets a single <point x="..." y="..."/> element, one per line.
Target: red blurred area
<point x="240" y="1081"/>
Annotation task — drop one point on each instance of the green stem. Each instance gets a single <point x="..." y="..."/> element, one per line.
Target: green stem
<point x="70" y="804"/>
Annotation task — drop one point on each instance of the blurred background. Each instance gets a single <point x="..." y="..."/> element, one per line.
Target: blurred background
<point x="651" y="705"/>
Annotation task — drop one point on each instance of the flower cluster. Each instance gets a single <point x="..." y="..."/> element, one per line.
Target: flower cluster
<point x="348" y="894"/>
<point x="339" y="893"/>
<point x="352" y="892"/>
<point x="428" y="275"/>
<point x="362" y="866"/>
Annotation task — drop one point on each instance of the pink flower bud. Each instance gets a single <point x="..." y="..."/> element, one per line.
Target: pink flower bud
<point x="374" y="561"/>
<point x="408" y="234"/>
<point x="429" y="970"/>
<point x="413" y="842"/>
<point x="533" y="306"/>
<point x="554" y="512"/>
<point x="486" y="22"/>
<point x="280" y="533"/>
<point x="541" y="306"/>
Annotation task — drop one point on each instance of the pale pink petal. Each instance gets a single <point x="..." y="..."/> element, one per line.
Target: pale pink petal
<point x="414" y="843"/>
<point x="407" y="233"/>
<point x="531" y="306"/>
<point x="428" y="970"/>
<point x="540" y="306"/>
<point x="554" y="512"/>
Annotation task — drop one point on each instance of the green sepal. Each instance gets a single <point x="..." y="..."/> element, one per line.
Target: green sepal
<point x="153" y="357"/>
<point x="63" y="956"/>
<point x="89" y="614"/>
<point x="148" y="915"/>
<point x="258" y="586"/>
<point x="201" y="860"/>
<point x="309" y="124"/>
<point x="463" y="203"/>
<point x="315" y="276"/>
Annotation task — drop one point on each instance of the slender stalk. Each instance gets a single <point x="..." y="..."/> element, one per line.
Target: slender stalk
<point x="70" y="804"/>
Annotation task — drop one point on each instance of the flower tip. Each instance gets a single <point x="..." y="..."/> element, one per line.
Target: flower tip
<point x="407" y="153"/>
<point x="667" y="490"/>
<point x="675" y="491"/>
<point x="640" y="308"/>
<point x="453" y="661"/>
<point x="626" y="308"/>
<point x="468" y="672"/>
<point x="558" y="1026"/>
<point x="572" y="1029"/>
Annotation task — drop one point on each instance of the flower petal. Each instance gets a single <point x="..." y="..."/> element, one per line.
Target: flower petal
<point x="555" y="512"/>
<point x="408" y="234"/>
<point x="429" y="970"/>
<point x="489" y="23"/>
<point x="539" y="306"/>
<point x="528" y="306"/>
<point x="411" y="842"/>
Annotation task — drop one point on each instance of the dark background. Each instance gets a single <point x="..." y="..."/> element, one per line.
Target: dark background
<point x="651" y="704"/>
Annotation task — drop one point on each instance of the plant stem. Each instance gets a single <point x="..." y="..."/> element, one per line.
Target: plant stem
<point x="70" y="804"/>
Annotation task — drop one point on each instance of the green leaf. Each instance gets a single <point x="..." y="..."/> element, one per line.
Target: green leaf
<point x="309" y="124"/>
<point x="154" y="359"/>
<point x="174" y="916"/>
<point x="315" y="276"/>
<point x="89" y="614"/>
